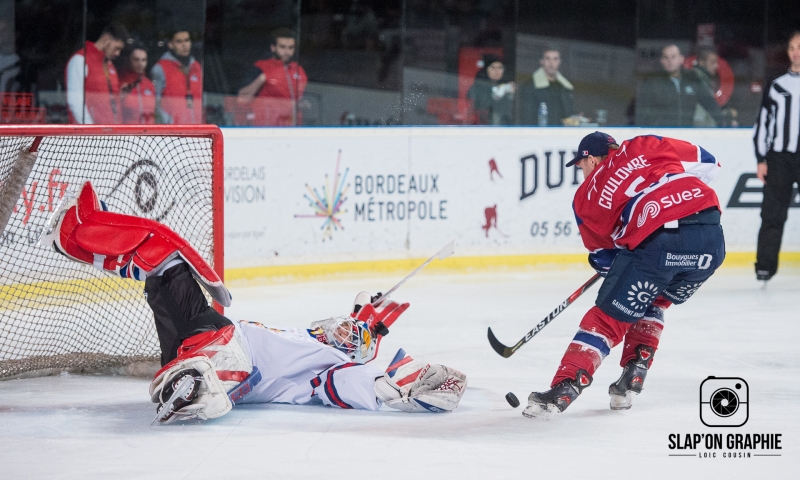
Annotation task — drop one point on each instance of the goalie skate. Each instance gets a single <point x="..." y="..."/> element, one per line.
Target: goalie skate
<point x="182" y="390"/>
<point x="218" y="363"/>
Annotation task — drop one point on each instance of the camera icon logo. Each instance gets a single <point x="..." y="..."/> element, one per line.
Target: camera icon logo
<point x="724" y="402"/>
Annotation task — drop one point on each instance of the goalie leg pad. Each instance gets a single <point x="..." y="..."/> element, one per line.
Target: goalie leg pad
<point x="222" y="360"/>
<point x="413" y="386"/>
<point x="130" y="246"/>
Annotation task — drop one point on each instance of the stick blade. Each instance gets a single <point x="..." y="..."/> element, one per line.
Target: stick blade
<point x="498" y="347"/>
<point x="447" y="250"/>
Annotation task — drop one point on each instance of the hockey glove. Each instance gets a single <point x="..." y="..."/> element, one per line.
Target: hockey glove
<point x="363" y="298"/>
<point x="413" y="386"/>
<point x="601" y="260"/>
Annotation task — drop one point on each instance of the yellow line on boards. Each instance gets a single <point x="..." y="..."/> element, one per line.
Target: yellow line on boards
<point x="115" y="288"/>
<point x="454" y="264"/>
<point x="457" y="264"/>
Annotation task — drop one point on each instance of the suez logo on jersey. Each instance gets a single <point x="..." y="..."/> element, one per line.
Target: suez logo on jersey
<point x="651" y="209"/>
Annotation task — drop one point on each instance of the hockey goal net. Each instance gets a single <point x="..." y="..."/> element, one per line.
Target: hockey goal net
<point x="58" y="315"/>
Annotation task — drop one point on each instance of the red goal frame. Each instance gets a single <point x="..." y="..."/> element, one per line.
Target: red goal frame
<point x="208" y="131"/>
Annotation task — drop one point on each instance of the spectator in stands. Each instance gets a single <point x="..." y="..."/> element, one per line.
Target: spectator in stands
<point x="91" y="79"/>
<point x="278" y="83"/>
<point x="549" y="87"/>
<point x="137" y="91"/>
<point x="178" y="79"/>
<point x="706" y="68"/>
<point x="492" y="95"/>
<point x="670" y="98"/>
<point x="9" y="60"/>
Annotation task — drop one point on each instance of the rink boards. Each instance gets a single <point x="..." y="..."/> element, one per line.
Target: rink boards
<point x="310" y="201"/>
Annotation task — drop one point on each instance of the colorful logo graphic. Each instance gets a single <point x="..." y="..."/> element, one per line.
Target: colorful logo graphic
<point x="329" y="204"/>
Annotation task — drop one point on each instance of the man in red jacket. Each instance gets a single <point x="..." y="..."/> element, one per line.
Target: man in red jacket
<point x="278" y="83"/>
<point x="137" y="91"/>
<point x="178" y="79"/>
<point x="91" y="79"/>
<point x="651" y="223"/>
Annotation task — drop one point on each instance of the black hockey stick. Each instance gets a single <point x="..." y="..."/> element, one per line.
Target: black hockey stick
<point x="506" y="352"/>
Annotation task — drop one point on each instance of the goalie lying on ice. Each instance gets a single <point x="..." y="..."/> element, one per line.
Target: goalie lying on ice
<point x="210" y="363"/>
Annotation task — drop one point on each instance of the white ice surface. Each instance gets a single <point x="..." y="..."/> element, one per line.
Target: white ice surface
<point x="82" y="427"/>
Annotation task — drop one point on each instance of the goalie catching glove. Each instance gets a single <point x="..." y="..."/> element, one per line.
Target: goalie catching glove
<point x="413" y="386"/>
<point x="202" y="381"/>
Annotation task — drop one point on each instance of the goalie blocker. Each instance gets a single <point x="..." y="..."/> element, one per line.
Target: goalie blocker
<point x="210" y="363"/>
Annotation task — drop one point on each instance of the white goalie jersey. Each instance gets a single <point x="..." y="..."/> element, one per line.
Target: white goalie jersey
<point x="297" y="368"/>
<point x="248" y="362"/>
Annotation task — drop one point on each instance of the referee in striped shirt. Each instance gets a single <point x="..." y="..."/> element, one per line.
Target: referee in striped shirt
<point x="776" y="140"/>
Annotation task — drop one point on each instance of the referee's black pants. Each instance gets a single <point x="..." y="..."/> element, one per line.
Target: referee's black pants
<point x="783" y="170"/>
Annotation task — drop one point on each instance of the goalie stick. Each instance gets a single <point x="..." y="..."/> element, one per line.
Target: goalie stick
<point x="506" y="352"/>
<point x="445" y="252"/>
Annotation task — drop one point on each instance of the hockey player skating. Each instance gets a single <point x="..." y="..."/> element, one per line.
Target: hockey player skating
<point x="210" y="363"/>
<point x="652" y="226"/>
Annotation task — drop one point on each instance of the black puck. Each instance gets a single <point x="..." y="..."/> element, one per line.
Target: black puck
<point x="512" y="400"/>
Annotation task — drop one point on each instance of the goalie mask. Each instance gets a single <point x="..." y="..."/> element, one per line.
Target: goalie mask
<point x="349" y="336"/>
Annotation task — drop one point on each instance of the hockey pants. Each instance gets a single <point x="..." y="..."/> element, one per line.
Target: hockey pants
<point x="667" y="267"/>
<point x="180" y="309"/>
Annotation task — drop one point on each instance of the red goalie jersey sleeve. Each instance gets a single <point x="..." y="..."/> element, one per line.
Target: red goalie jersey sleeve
<point x="648" y="182"/>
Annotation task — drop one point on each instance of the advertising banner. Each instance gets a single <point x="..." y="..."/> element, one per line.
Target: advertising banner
<point x="323" y="195"/>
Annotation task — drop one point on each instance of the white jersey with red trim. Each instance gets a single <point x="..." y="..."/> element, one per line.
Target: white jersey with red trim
<point x="294" y="367"/>
<point x="648" y="182"/>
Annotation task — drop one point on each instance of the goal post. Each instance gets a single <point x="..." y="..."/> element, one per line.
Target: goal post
<point x="56" y="314"/>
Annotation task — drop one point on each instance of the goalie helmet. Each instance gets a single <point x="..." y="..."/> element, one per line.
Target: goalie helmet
<point x="348" y="335"/>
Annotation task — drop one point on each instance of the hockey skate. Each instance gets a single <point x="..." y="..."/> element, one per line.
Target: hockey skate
<point x="180" y="390"/>
<point x="546" y="404"/>
<point x="631" y="381"/>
